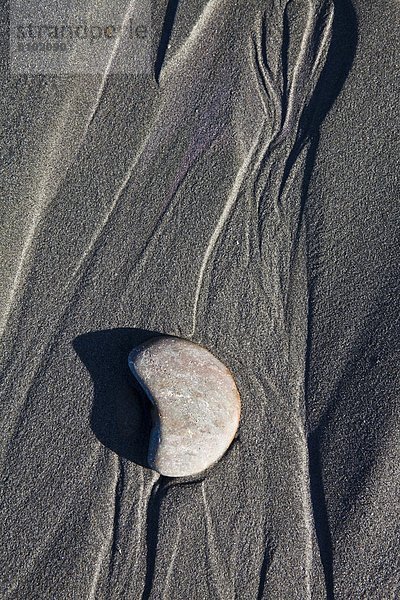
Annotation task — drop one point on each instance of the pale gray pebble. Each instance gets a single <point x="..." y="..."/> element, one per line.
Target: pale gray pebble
<point x="196" y="404"/>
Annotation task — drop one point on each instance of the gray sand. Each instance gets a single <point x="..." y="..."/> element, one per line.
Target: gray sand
<point x="245" y="196"/>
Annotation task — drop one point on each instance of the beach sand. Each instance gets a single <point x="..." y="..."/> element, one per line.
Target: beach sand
<point x="244" y="195"/>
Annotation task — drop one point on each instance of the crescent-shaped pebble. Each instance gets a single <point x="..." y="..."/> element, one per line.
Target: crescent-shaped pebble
<point x="196" y="404"/>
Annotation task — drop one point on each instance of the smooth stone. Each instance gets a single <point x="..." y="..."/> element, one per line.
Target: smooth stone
<point x="196" y="404"/>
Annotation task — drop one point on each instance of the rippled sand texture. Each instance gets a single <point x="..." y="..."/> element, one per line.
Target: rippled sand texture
<point x="243" y="196"/>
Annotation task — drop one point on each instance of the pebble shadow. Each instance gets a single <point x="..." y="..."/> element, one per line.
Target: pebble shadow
<point x="120" y="417"/>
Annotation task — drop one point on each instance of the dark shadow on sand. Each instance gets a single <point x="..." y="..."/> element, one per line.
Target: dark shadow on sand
<point x="120" y="416"/>
<point x="168" y="24"/>
<point x="339" y="61"/>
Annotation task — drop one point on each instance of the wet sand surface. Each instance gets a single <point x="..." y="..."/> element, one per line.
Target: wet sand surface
<point x="245" y="196"/>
